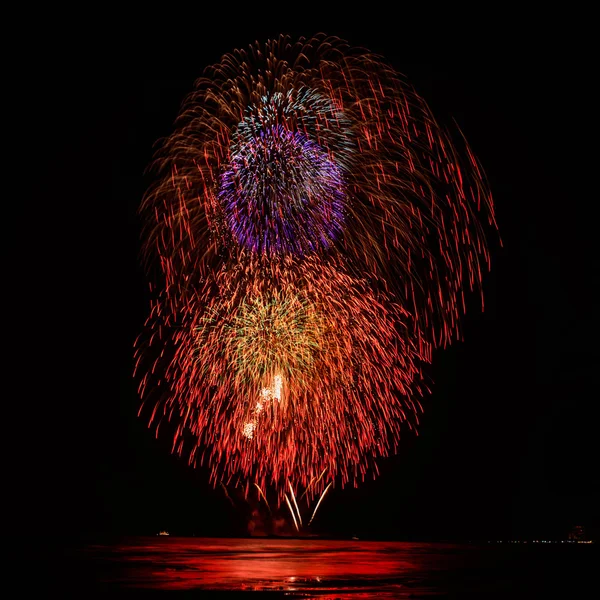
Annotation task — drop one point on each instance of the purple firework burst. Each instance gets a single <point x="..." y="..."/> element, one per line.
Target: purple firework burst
<point x="282" y="193"/>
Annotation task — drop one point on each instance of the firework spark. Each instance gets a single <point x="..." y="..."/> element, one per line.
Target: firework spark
<point x="319" y="502"/>
<point x="314" y="230"/>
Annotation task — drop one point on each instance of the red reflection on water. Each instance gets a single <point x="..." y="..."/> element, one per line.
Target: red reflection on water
<point x="269" y="565"/>
<point x="327" y="569"/>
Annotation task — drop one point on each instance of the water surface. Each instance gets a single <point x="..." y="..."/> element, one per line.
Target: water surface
<point x="314" y="568"/>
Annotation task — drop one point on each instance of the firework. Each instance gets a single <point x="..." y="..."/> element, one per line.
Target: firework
<point x="314" y="231"/>
<point x="279" y="377"/>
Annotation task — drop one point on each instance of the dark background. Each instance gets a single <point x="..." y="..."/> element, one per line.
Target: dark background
<point x="508" y="442"/>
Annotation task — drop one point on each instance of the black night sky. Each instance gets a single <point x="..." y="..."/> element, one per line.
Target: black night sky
<point x="508" y="441"/>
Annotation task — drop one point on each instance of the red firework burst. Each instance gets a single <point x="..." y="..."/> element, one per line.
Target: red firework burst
<point x="315" y="230"/>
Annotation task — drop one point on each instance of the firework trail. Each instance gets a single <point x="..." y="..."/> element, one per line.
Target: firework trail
<point x="314" y="231"/>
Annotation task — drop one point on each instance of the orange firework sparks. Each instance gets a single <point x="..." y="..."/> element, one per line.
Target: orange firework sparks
<point x="315" y="230"/>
